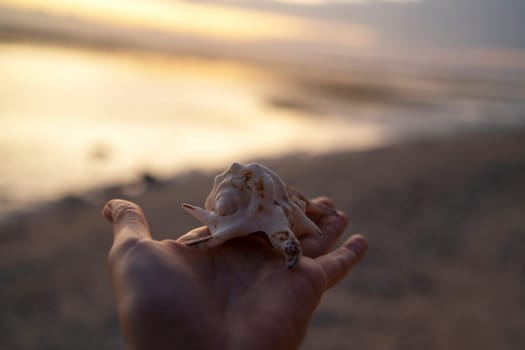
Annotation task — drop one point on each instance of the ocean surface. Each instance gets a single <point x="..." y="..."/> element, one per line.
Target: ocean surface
<point x="76" y="119"/>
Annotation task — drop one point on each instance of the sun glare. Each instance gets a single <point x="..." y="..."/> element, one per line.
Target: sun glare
<point x="206" y="20"/>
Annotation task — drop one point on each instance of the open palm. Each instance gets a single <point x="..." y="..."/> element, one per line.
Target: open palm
<point x="237" y="295"/>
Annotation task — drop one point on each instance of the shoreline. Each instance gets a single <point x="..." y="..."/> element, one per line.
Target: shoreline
<point x="147" y="181"/>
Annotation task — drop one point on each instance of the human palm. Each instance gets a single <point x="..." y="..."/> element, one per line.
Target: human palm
<point x="237" y="295"/>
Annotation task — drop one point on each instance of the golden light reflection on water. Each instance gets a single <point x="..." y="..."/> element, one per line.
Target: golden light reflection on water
<point x="72" y="120"/>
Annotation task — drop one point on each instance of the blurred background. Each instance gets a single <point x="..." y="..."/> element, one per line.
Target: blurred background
<point x="409" y="113"/>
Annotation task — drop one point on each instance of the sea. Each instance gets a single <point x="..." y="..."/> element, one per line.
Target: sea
<point x="75" y="119"/>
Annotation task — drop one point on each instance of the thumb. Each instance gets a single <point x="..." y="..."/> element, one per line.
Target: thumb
<point x="129" y="222"/>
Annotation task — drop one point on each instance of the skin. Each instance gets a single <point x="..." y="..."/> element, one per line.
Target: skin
<point x="238" y="295"/>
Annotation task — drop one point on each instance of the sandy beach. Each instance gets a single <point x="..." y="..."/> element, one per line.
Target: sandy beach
<point x="445" y="270"/>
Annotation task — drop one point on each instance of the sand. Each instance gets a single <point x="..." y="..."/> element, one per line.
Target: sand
<point x="445" y="219"/>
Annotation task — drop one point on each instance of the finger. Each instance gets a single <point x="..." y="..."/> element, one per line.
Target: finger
<point x="323" y="200"/>
<point x="129" y="222"/>
<point x="337" y="264"/>
<point x="319" y="207"/>
<point x="196" y="233"/>
<point x="332" y="227"/>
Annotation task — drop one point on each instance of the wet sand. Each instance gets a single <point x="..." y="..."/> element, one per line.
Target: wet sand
<point x="445" y="270"/>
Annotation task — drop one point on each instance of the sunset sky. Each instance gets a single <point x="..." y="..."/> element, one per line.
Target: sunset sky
<point x="477" y="33"/>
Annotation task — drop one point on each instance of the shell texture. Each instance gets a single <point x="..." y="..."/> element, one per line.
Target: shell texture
<point x="252" y="198"/>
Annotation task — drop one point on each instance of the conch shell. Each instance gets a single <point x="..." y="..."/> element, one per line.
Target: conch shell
<point x="252" y="198"/>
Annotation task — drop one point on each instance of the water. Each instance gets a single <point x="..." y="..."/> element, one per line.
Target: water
<point x="72" y="120"/>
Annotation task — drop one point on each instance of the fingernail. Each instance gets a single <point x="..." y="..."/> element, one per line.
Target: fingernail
<point x="108" y="212"/>
<point x="358" y="245"/>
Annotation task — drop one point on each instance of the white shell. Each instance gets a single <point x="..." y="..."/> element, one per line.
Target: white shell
<point x="251" y="198"/>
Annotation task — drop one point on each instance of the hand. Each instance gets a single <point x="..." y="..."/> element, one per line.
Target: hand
<point x="239" y="295"/>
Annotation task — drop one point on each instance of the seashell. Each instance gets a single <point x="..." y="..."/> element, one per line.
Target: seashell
<point x="252" y="198"/>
